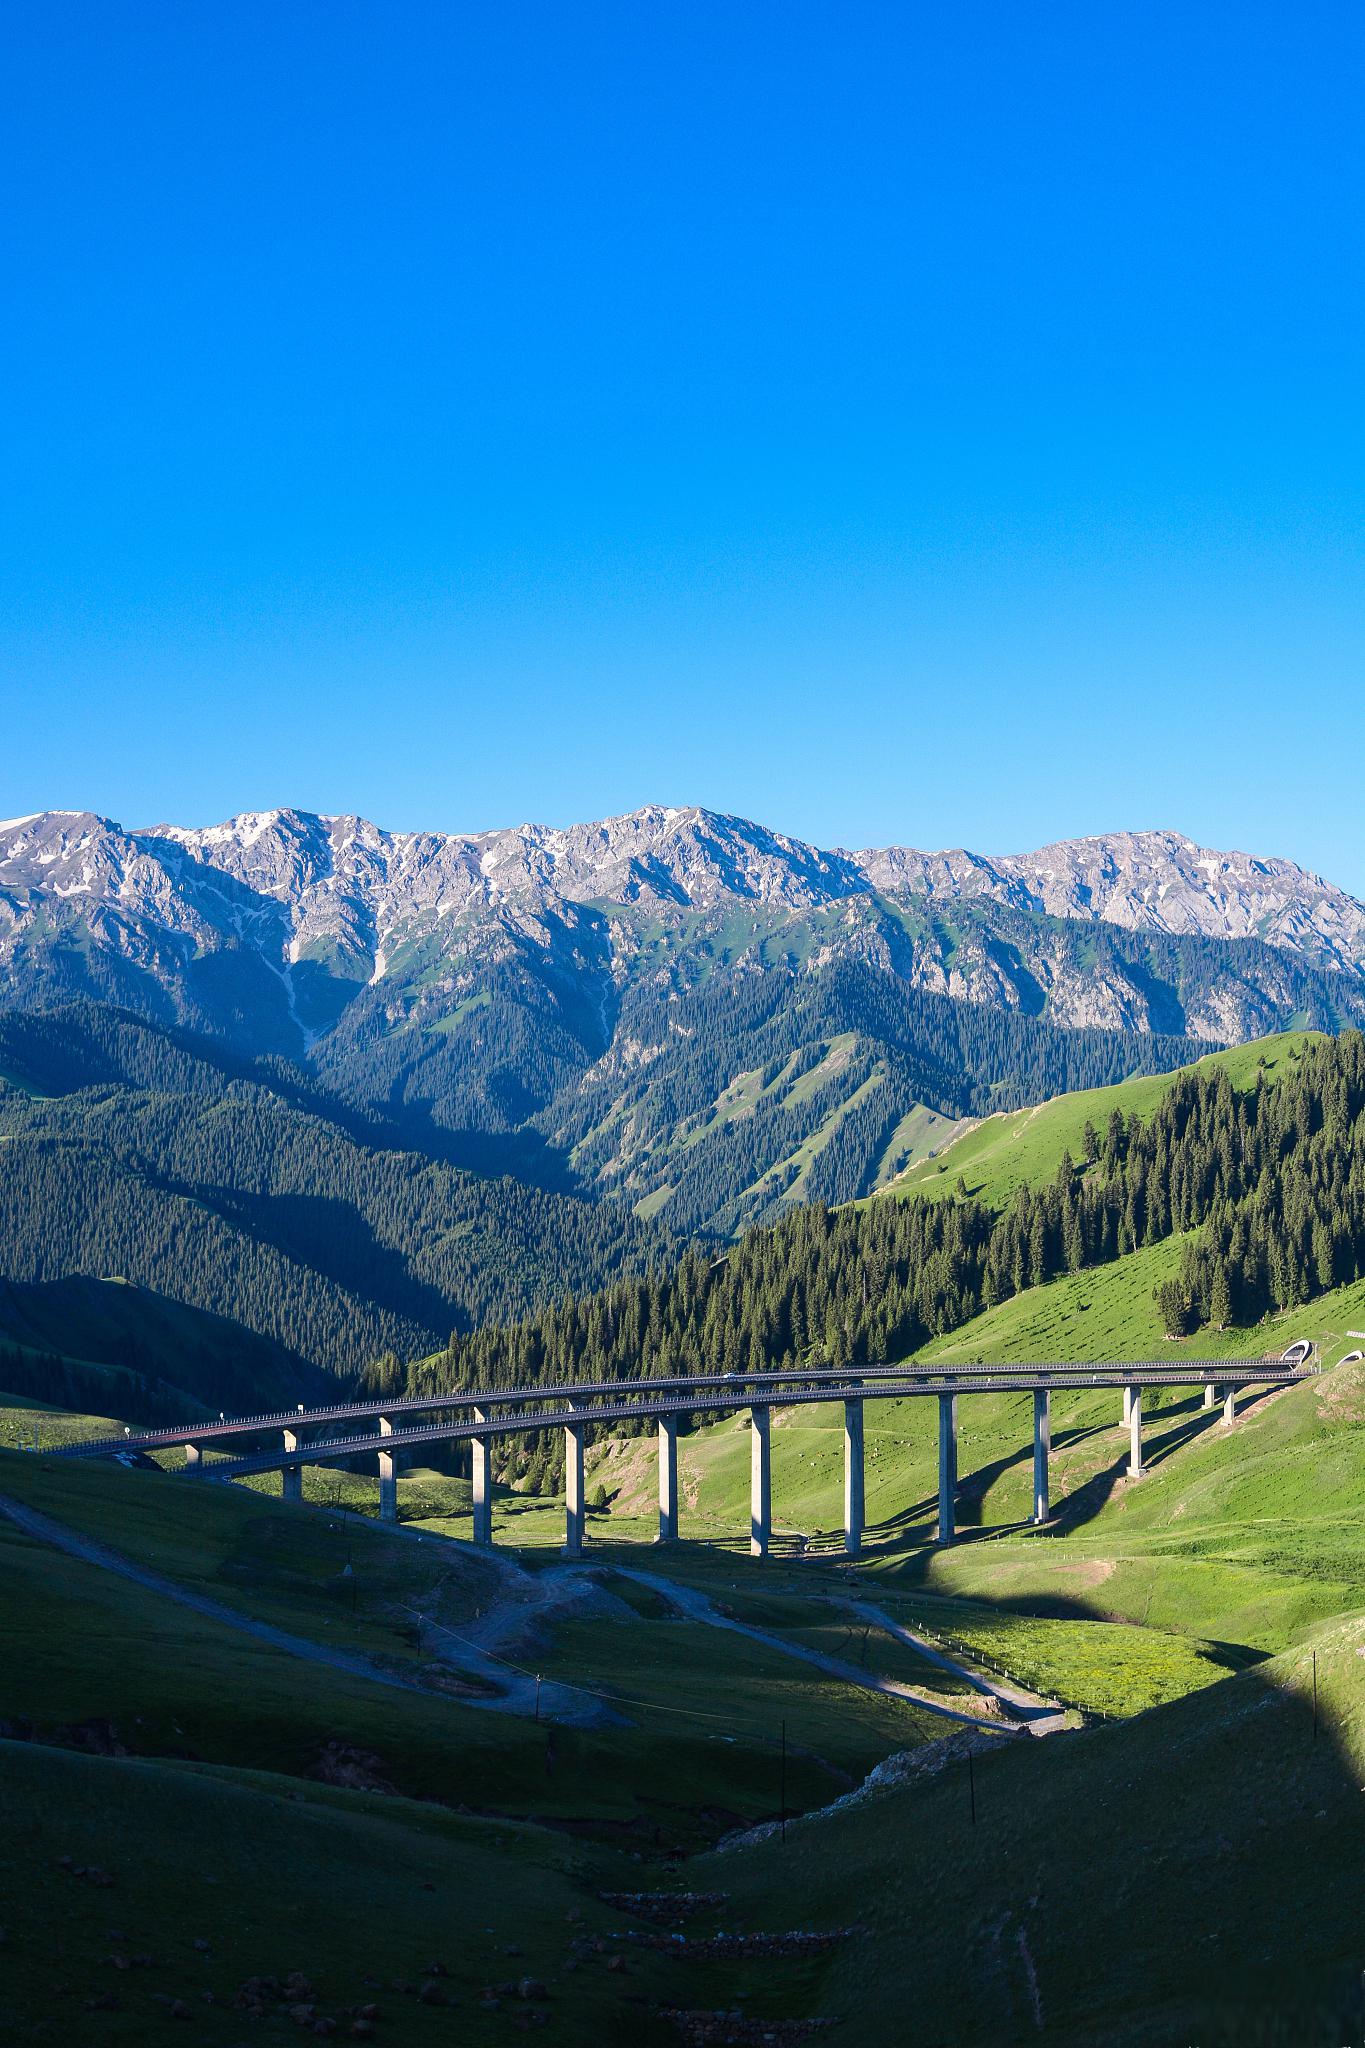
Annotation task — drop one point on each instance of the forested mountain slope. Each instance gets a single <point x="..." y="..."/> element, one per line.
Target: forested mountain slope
<point x="707" y="1018"/>
<point x="723" y="1106"/>
<point x="125" y="1152"/>
<point x="110" y="1347"/>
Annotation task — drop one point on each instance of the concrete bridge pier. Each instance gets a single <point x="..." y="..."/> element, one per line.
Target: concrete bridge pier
<point x="1210" y="1395"/>
<point x="291" y="1476"/>
<point x="1229" y="1407"/>
<point x="194" y="1461"/>
<point x="1042" y="1451"/>
<point x="947" y="1467"/>
<point x="853" y="1478"/>
<point x="1134" y="1432"/>
<point x="668" y="1479"/>
<point x="481" y="1481"/>
<point x="760" y="1482"/>
<point x="1127" y="1406"/>
<point x="573" y="1489"/>
<point x="388" y="1476"/>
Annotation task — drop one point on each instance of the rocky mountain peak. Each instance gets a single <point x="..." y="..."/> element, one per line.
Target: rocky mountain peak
<point x="1164" y="881"/>
<point x="688" y="856"/>
<point x="291" y="908"/>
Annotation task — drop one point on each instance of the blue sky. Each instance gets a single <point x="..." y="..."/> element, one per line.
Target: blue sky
<point x="892" y="422"/>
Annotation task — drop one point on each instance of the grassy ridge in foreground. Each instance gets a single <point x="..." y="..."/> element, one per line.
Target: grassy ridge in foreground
<point x="91" y="1648"/>
<point x="357" y="1891"/>
<point x="1140" y="1886"/>
<point x="1190" y="1877"/>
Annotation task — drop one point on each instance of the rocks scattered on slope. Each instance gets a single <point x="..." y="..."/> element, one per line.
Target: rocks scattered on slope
<point x="721" y="2029"/>
<point x="669" y="1909"/>
<point x="895" y="1771"/>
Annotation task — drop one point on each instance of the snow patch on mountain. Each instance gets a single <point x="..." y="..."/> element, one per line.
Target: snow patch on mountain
<point x="284" y="918"/>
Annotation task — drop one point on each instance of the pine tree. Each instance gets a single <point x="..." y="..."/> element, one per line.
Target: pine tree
<point x="1173" y="1303"/>
<point x="1220" y="1299"/>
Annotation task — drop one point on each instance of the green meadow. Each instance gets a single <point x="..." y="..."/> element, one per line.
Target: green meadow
<point x="1006" y="1151"/>
<point x="1179" y="1864"/>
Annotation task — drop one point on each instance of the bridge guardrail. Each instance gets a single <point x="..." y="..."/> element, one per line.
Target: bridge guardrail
<point x="734" y="1389"/>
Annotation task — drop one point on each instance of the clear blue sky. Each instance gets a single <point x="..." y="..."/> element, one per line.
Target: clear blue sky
<point x="934" y="423"/>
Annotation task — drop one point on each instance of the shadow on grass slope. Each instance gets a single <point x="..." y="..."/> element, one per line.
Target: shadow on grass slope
<point x="1193" y="1876"/>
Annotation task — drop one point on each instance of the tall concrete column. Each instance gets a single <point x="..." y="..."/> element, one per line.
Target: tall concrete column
<point x="668" y="1479"/>
<point x="1127" y="1406"/>
<point x="947" y="1467"/>
<point x="1135" y="1434"/>
<point x="573" y="1489"/>
<point x="194" y="1460"/>
<point x="388" y="1476"/>
<point x="853" y="1478"/>
<point x="481" y="1481"/>
<point x="1210" y="1395"/>
<point x="760" y="1481"/>
<point x="291" y="1476"/>
<point x="1042" y="1451"/>
<point x="1229" y="1407"/>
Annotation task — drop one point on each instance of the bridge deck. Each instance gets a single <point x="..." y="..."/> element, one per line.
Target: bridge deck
<point x="700" y="1393"/>
<point x="725" y="1398"/>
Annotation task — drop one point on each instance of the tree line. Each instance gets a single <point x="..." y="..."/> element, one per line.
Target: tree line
<point x="1271" y="1180"/>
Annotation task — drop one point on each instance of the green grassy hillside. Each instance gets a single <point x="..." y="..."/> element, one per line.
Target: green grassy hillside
<point x="94" y="1648"/>
<point x="1108" y="1312"/>
<point x="1120" y="1877"/>
<point x="27" y="1425"/>
<point x="1190" y="1877"/>
<point x="1245" y="1535"/>
<point x="244" y="1803"/>
<point x="1115" y="1881"/>
<point x="921" y="1134"/>
<point x="1004" y="1152"/>
<point x="220" y="1877"/>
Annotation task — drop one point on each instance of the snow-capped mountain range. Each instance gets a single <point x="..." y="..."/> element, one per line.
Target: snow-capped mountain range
<point x="291" y="882"/>
<point x="696" y="1012"/>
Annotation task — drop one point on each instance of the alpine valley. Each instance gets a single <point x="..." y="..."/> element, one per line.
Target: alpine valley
<point x="351" y="1090"/>
<point x="292" y="1102"/>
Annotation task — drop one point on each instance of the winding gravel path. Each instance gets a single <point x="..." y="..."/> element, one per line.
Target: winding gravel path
<point x="515" y="1693"/>
<point x="531" y="1596"/>
<point x="527" y="1597"/>
<point x="697" y="1606"/>
<point x="1037" y="1716"/>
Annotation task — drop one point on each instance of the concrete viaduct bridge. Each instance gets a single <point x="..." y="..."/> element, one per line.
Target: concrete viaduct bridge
<point x="387" y="1429"/>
